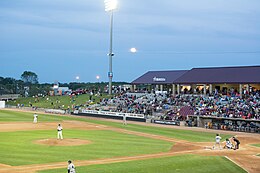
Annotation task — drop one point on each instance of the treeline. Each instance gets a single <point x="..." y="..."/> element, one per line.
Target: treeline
<point x="12" y="86"/>
<point x="97" y="86"/>
<point x="28" y="85"/>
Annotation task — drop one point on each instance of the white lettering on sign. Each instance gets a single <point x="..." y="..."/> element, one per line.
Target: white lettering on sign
<point x="118" y="114"/>
<point x="159" y="79"/>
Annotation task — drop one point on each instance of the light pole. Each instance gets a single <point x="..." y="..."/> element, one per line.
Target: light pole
<point x="98" y="77"/>
<point x="110" y="6"/>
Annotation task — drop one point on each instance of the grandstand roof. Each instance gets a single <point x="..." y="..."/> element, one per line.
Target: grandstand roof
<point x="218" y="75"/>
<point x="159" y="77"/>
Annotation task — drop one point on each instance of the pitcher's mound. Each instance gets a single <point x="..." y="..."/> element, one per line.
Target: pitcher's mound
<point x="63" y="142"/>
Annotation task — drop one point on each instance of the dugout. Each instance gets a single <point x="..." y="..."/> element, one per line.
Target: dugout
<point x="223" y="123"/>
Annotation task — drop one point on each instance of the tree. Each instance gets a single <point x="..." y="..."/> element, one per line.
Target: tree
<point x="29" y="77"/>
<point x="7" y="85"/>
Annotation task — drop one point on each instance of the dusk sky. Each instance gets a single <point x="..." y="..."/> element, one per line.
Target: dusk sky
<point x="62" y="39"/>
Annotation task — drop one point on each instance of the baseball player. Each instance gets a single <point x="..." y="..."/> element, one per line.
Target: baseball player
<point x="124" y="119"/>
<point x="35" y="118"/>
<point x="71" y="167"/>
<point x="237" y="143"/>
<point x="217" y="138"/>
<point x="59" y="129"/>
<point x="228" y="144"/>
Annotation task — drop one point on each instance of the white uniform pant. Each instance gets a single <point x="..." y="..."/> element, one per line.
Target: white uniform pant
<point x="124" y="120"/>
<point x="60" y="135"/>
<point x="217" y="144"/>
<point x="35" y="120"/>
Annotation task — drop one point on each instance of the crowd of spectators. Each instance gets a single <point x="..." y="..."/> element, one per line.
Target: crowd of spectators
<point x="168" y="106"/>
<point x="229" y="107"/>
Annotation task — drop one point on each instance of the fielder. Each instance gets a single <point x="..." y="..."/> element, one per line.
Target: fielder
<point x="35" y="118"/>
<point x="124" y="119"/>
<point x="71" y="167"/>
<point x="59" y="129"/>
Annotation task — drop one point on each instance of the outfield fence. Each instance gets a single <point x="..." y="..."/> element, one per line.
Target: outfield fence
<point x="111" y="115"/>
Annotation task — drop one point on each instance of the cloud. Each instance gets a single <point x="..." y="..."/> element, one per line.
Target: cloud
<point x="79" y="30"/>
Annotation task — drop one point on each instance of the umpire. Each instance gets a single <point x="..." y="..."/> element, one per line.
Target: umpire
<point x="237" y="142"/>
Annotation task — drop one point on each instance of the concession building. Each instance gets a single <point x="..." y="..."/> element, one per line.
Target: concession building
<point x="236" y="80"/>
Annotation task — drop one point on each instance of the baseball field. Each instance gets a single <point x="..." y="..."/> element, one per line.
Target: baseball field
<point x="100" y="145"/>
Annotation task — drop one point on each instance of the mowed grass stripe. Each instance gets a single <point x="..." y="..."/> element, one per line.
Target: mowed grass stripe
<point x="192" y="136"/>
<point x="188" y="135"/>
<point x="180" y="164"/>
<point x="17" y="148"/>
<point x="256" y="145"/>
<point x="16" y="116"/>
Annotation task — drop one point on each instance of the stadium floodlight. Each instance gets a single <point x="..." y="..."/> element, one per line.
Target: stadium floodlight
<point x="110" y="6"/>
<point x="98" y="77"/>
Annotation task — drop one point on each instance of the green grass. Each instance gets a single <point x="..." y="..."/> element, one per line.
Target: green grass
<point x="256" y="145"/>
<point x="178" y="134"/>
<point x="188" y="135"/>
<point x="12" y="116"/>
<point x="58" y="101"/>
<point x="180" y="164"/>
<point x="168" y="132"/>
<point x="17" y="148"/>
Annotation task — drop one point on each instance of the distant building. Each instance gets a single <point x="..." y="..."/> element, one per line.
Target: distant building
<point x="2" y="104"/>
<point x="59" y="91"/>
<point x="7" y="97"/>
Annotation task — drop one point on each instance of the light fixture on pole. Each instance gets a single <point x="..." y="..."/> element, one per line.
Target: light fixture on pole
<point x="77" y="78"/>
<point x="98" y="89"/>
<point x="110" y="6"/>
<point x="97" y="77"/>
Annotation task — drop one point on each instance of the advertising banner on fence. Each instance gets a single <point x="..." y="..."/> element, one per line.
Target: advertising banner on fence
<point x="177" y="123"/>
<point x="117" y="114"/>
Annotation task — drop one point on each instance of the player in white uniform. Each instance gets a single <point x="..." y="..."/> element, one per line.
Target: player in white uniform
<point x="71" y="167"/>
<point x="124" y="119"/>
<point x="59" y="129"/>
<point x="218" y="138"/>
<point x="228" y="144"/>
<point x="35" y="118"/>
